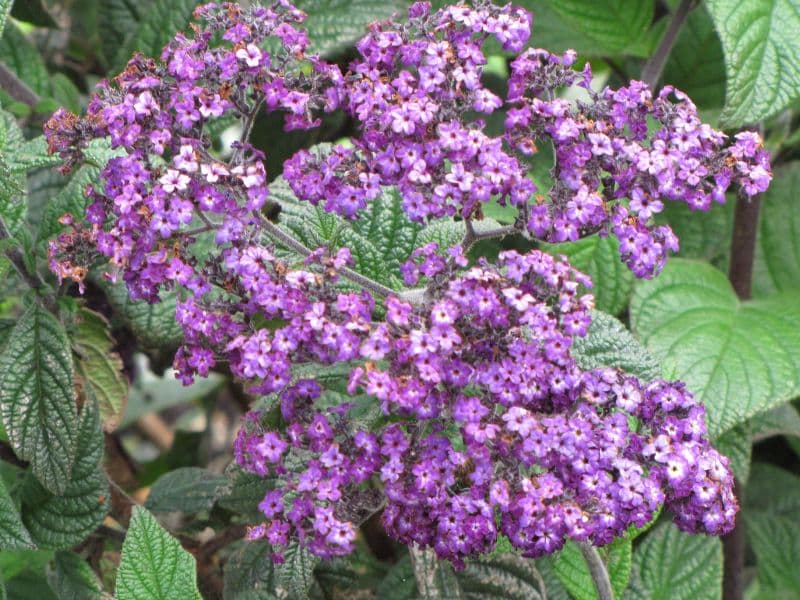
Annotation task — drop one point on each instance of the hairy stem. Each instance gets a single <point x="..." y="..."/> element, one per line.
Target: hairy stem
<point x="655" y="66"/>
<point x="598" y="571"/>
<point x="471" y="236"/>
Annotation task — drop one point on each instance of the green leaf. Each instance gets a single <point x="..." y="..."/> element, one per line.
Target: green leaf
<point x="595" y="27"/>
<point x="38" y="398"/>
<point x="570" y="567"/>
<point x="772" y="514"/>
<point x="159" y="23"/>
<point x="34" y="12"/>
<point x="188" y="489"/>
<point x="154" y="325"/>
<point x="672" y="565"/>
<point x="609" y="344"/>
<point x="739" y="358"/>
<point x="153" y="565"/>
<point x="5" y="8"/>
<point x="243" y="492"/>
<point x="598" y="257"/>
<point x="61" y="521"/>
<point x="13" y="535"/>
<point x="762" y="56"/>
<point x="118" y="20"/>
<point x="777" y="261"/>
<point x="335" y="25"/>
<point x="296" y="574"/>
<point x="781" y="420"/>
<point x="380" y="239"/>
<point x="702" y="235"/>
<point x="71" y="578"/>
<point x="249" y="573"/>
<point x="70" y="200"/>
<point x="24" y="60"/>
<point x="99" y="367"/>
<point x="696" y="64"/>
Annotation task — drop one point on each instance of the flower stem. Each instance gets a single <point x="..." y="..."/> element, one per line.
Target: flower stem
<point x="651" y="72"/>
<point x="597" y="570"/>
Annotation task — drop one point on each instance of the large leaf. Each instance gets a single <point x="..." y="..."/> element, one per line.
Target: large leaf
<point x="589" y="26"/>
<point x="782" y="420"/>
<point x="5" y="8"/>
<point x="696" y="64"/>
<point x="570" y="567"/>
<point x="187" y="489"/>
<point x="609" y="344"/>
<point x="598" y="257"/>
<point x="154" y="566"/>
<point x="249" y="573"/>
<point x="38" y="398"/>
<point x="22" y="58"/>
<point x="99" y="367"/>
<point x="334" y="25"/>
<point x="737" y="445"/>
<point x="777" y="261"/>
<point x="739" y="358"/>
<point x="379" y="240"/>
<point x="704" y="235"/>
<point x="118" y="20"/>
<point x="772" y="515"/>
<point x="761" y="40"/>
<point x="69" y="200"/>
<point x="154" y="325"/>
<point x="672" y="565"/>
<point x="71" y="578"/>
<point x="13" y="535"/>
<point x="61" y="521"/>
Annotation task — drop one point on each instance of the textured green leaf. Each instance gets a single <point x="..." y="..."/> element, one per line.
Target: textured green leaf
<point x="37" y="397"/>
<point x="380" y="239"/>
<point x="34" y="12"/>
<point x="158" y="25"/>
<point x="70" y="200"/>
<point x="24" y="60"/>
<point x="781" y="420"/>
<point x="609" y="344"/>
<point x="672" y="565"/>
<point x="154" y="325"/>
<point x="736" y="444"/>
<point x="153" y="565"/>
<point x="703" y="235"/>
<point x="696" y="64"/>
<point x="118" y="20"/>
<point x="777" y="261"/>
<point x="71" y="578"/>
<point x="296" y="575"/>
<point x="739" y="358"/>
<point x="772" y="515"/>
<point x="5" y="9"/>
<point x="761" y="41"/>
<point x="187" y="489"/>
<point x="335" y="25"/>
<point x="64" y="520"/>
<point x="99" y="367"/>
<point x="570" y="567"/>
<point x="12" y="178"/>
<point x="399" y="583"/>
<point x="598" y="257"/>
<point x="13" y="535"/>
<point x="589" y="26"/>
<point x="357" y="574"/>
<point x="250" y="573"/>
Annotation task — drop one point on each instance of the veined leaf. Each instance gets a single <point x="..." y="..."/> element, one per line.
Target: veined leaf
<point x="739" y="358"/>
<point x="570" y="567"/>
<point x="13" y="535"/>
<point x="22" y="57"/>
<point x="154" y="566"/>
<point x="38" y="398"/>
<point x="761" y="40"/>
<point x="71" y="578"/>
<point x="187" y="489"/>
<point x="5" y="9"/>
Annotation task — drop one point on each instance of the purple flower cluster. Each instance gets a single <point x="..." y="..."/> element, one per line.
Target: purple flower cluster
<point x="168" y="188"/>
<point x="410" y="91"/>
<point x="620" y="156"/>
<point x="494" y="429"/>
<point x="489" y="426"/>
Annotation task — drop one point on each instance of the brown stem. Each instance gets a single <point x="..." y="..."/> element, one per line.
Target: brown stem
<point x="651" y="72"/>
<point x="740" y="274"/>
<point x="16" y="88"/>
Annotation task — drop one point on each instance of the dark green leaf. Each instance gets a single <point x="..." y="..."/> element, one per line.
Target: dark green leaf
<point x="118" y="20"/>
<point x="38" y="398"/>
<point x="739" y="358"/>
<point x="762" y="56"/>
<point x="13" y="535"/>
<point x="672" y="565"/>
<point x="62" y="521"/>
<point x="34" y="12"/>
<point x="781" y="420"/>
<point x="243" y="492"/>
<point x="5" y="8"/>
<point x="703" y="235"/>
<point x="777" y="261"/>
<point x="598" y="257"/>
<point x="99" y="367"/>
<point x="399" y="583"/>
<point x="188" y="489"/>
<point x="154" y="566"/>
<point x="70" y="200"/>
<point x="609" y="344"/>
<point x="570" y="567"/>
<point x="24" y="60"/>
<point x="154" y="325"/>
<point x="71" y="578"/>
<point x="250" y="573"/>
<point x="296" y="574"/>
<point x="737" y="446"/>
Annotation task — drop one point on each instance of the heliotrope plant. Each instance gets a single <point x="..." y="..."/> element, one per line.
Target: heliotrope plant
<point x="488" y="426"/>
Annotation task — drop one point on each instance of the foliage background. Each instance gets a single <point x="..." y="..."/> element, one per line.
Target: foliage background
<point x="137" y="499"/>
